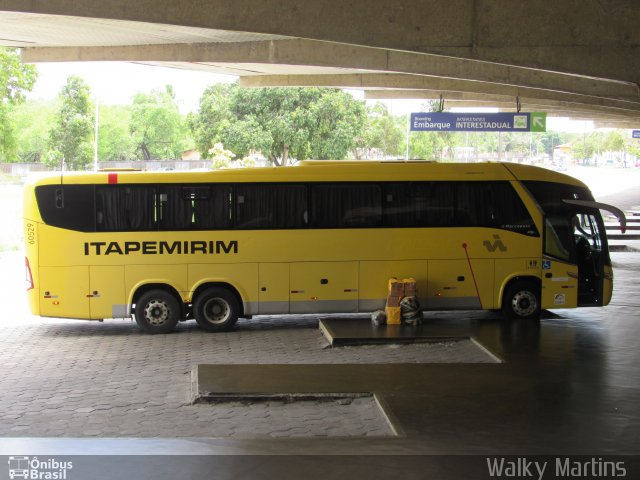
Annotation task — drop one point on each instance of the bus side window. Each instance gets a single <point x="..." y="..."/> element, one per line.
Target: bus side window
<point x="506" y="210"/>
<point x="419" y="204"/>
<point x="274" y="206"/>
<point x="346" y="205"/>
<point x="176" y="207"/>
<point x="405" y="204"/>
<point x="471" y="207"/>
<point x="67" y="206"/>
<point x="557" y="237"/>
<point x="126" y="207"/>
<point x="213" y="210"/>
<point x="195" y="207"/>
<point x="440" y="204"/>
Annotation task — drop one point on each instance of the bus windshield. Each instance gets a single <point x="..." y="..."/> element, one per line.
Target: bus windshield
<point x="562" y="218"/>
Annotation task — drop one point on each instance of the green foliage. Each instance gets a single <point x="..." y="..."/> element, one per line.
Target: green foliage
<point x="213" y="118"/>
<point x="615" y="142"/>
<point x="114" y="141"/>
<point x="34" y="120"/>
<point x="16" y="79"/>
<point x="70" y="138"/>
<point x="336" y="119"/>
<point x="7" y="134"/>
<point x="430" y="145"/>
<point x="245" y="135"/>
<point x="551" y="140"/>
<point x="382" y="132"/>
<point x="586" y="148"/>
<point x="281" y="123"/>
<point x="157" y="127"/>
<point x="284" y="113"/>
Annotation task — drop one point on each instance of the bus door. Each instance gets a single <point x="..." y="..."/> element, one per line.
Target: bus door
<point x="591" y="253"/>
<point x="590" y="256"/>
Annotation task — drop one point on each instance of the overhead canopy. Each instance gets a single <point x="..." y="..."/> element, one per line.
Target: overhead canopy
<point x="569" y="58"/>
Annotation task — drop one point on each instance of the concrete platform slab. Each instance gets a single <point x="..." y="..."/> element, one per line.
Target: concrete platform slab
<point x="569" y="384"/>
<point x="360" y="331"/>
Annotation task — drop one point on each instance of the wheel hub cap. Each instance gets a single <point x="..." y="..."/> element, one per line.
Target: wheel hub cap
<point x="524" y="303"/>
<point x="156" y="312"/>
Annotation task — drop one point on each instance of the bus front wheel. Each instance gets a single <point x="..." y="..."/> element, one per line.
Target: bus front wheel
<point x="521" y="300"/>
<point x="157" y="311"/>
<point x="216" y="309"/>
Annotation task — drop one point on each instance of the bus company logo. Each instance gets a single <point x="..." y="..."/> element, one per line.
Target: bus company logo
<point x="495" y="245"/>
<point x="209" y="247"/>
<point x="36" y="469"/>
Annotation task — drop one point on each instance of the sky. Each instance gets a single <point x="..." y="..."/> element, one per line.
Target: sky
<point x="115" y="83"/>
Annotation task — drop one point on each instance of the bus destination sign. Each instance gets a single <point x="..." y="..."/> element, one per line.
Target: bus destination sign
<point x="479" y="122"/>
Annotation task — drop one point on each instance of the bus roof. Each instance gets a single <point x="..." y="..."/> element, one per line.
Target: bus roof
<point x="319" y="171"/>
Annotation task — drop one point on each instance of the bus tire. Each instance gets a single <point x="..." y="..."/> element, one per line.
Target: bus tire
<point x="216" y="309"/>
<point x="521" y="301"/>
<point x="157" y="311"/>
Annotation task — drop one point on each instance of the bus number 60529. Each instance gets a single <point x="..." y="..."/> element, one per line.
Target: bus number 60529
<point x="31" y="234"/>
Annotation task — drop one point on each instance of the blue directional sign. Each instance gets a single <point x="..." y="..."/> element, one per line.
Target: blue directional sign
<point x="635" y="133"/>
<point x="479" y="122"/>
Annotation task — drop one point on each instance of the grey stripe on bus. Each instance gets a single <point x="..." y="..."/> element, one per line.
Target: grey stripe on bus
<point x="333" y="306"/>
<point x="120" y="311"/>
<point x="350" y="306"/>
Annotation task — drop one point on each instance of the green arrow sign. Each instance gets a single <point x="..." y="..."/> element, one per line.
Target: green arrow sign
<point x="538" y="122"/>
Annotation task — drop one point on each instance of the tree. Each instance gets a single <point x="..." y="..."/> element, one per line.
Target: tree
<point x="432" y="145"/>
<point x="114" y="140"/>
<point x="157" y="127"/>
<point x="551" y="140"/>
<point x="221" y="157"/>
<point x="615" y="142"/>
<point x="213" y="118"/>
<point x="16" y="79"/>
<point x="33" y="121"/>
<point x="634" y="149"/>
<point x="281" y="123"/>
<point x="586" y="147"/>
<point x="427" y="145"/>
<point x="336" y="120"/>
<point x="283" y="113"/>
<point x="70" y="138"/>
<point x="244" y="135"/>
<point x="382" y="132"/>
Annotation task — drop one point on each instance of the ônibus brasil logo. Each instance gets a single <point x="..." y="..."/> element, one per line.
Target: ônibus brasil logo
<point x="38" y="469"/>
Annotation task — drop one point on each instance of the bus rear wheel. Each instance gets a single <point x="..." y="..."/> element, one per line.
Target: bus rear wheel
<point x="521" y="301"/>
<point x="157" y="311"/>
<point x="216" y="309"/>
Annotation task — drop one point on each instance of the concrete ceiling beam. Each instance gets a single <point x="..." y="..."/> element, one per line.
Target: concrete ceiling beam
<point x="388" y="86"/>
<point x="532" y="107"/>
<point x="350" y="57"/>
<point x="395" y="81"/>
<point x="615" y="124"/>
<point x="584" y="103"/>
<point x="594" y="38"/>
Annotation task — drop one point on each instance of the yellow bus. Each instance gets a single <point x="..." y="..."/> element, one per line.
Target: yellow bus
<point x="317" y="237"/>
